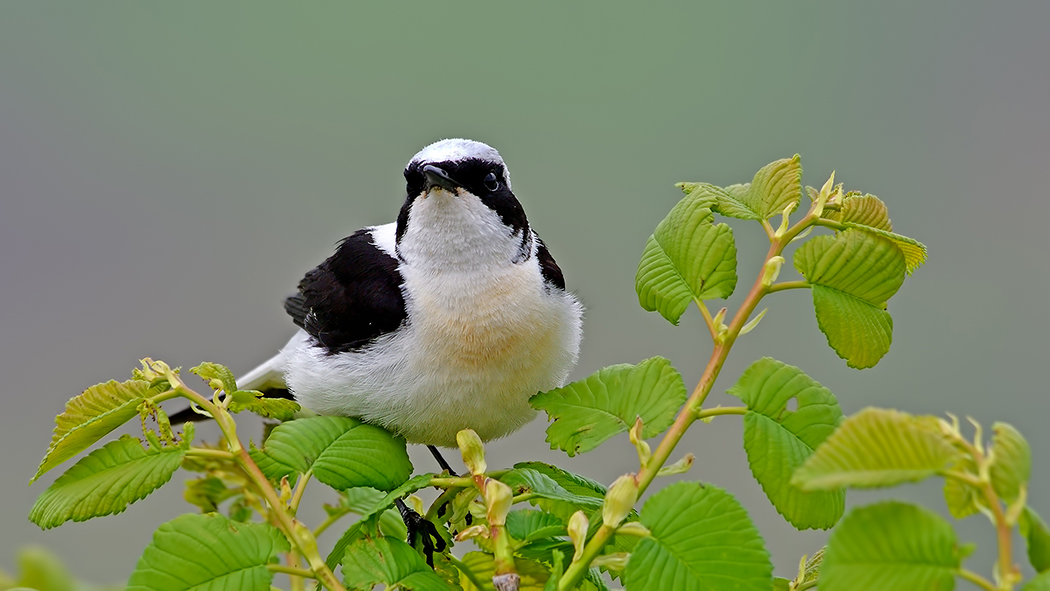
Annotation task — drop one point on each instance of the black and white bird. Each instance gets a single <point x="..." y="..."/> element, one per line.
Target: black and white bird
<point x="447" y="319"/>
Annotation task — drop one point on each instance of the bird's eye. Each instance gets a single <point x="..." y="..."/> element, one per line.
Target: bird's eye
<point x="491" y="182"/>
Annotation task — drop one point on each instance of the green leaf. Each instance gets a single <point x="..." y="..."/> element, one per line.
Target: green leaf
<point x="548" y="494"/>
<point x="1011" y="464"/>
<point x="574" y="483"/>
<point x="863" y="210"/>
<point x="526" y="525"/>
<point x="775" y="186"/>
<point x="482" y="567"/>
<point x="219" y="377"/>
<point x="963" y="500"/>
<point x="1039" y="583"/>
<point x="280" y="409"/>
<point x="105" y="482"/>
<point x="781" y="584"/>
<point x="342" y="452"/>
<point x="701" y="539"/>
<point x="687" y="258"/>
<point x="913" y="250"/>
<point x="853" y="274"/>
<point x="778" y="440"/>
<point x="208" y="552"/>
<point x="385" y="561"/>
<point x="374" y="517"/>
<point x="1037" y="535"/>
<point x="366" y="501"/>
<point x="590" y="411"/>
<point x="90" y="416"/>
<point x="877" y="447"/>
<point x="891" y="545"/>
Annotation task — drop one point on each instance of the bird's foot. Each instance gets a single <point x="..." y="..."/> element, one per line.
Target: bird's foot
<point x="422" y="529"/>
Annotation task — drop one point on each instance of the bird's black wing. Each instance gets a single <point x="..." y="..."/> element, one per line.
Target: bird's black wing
<point x="551" y="271"/>
<point x="352" y="298"/>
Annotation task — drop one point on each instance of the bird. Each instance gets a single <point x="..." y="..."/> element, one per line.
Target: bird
<point x="449" y="318"/>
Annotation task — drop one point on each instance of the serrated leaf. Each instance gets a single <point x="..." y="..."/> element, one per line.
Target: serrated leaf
<point x="105" y="482"/>
<point x="208" y="553"/>
<point x="253" y="401"/>
<point x="482" y="566"/>
<point x="863" y="210"/>
<point x="342" y="452"/>
<point x="778" y="440"/>
<point x="90" y="416"/>
<point x="962" y="499"/>
<point x="548" y="494"/>
<point x="219" y="377"/>
<point x="588" y="412"/>
<point x="775" y="186"/>
<point x="702" y="539"/>
<point x="913" y="250"/>
<point x="1011" y="464"/>
<point x="852" y="275"/>
<point x="877" y="447"/>
<point x="526" y="525"/>
<point x="687" y="258"/>
<point x="574" y="483"/>
<point x="1037" y="535"/>
<point x="891" y="545"/>
<point x="728" y="201"/>
<point x="386" y="561"/>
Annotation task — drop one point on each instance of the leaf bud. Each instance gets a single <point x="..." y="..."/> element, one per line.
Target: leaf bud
<point x="616" y="561"/>
<point x="578" y="525"/>
<point x="644" y="452"/>
<point x="619" y="500"/>
<point x="751" y="325"/>
<point x="634" y="528"/>
<point x="474" y="531"/>
<point x="680" y="467"/>
<point x="498" y="499"/>
<point x="772" y="270"/>
<point x="473" y="451"/>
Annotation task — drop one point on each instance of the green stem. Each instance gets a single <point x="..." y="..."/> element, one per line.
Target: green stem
<point x="451" y="482"/>
<point x="300" y="536"/>
<point x="977" y="579"/>
<point x="444" y="497"/>
<point x="722" y="410"/>
<point x="708" y="319"/>
<point x="329" y="521"/>
<point x="290" y="570"/>
<point x="300" y="488"/>
<point x="296" y="580"/>
<point x="784" y="285"/>
<point x="203" y="452"/>
<point x="806" y="585"/>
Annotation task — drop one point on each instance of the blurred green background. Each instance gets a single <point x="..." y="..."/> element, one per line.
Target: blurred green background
<point x="168" y="171"/>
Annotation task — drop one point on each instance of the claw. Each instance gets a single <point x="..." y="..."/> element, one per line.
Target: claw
<point x="421" y="528"/>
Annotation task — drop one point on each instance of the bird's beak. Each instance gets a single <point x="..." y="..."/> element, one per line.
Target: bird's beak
<point x="437" y="177"/>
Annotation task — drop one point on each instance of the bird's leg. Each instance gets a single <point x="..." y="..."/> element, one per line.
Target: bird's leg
<point x="419" y="526"/>
<point x="441" y="461"/>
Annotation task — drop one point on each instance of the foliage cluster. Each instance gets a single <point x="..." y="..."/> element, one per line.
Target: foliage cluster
<point x="536" y="526"/>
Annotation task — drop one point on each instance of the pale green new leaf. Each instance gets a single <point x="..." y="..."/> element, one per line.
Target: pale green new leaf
<point x="548" y="494"/>
<point x="482" y="566"/>
<point x="702" y="539"/>
<point x="962" y="498"/>
<point x="252" y="401"/>
<point x="342" y="452"/>
<point x="219" y="377"/>
<point x="728" y="201"/>
<point x="776" y="186"/>
<point x="687" y="258"/>
<point x="1011" y="465"/>
<point x="387" y="561"/>
<point x="863" y="210"/>
<point x="90" y="416"/>
<point x="106" y="481"/>
<point x="891" y="545"/>
<point x="586" y="413"/>
<point x="1037" y="535"/>
<point x="778" y="440"/>
<point x="913" y="250"/>
<point x="208" y="553"/>
<point x="853" y="274"/>
<point x="877" y="447"/>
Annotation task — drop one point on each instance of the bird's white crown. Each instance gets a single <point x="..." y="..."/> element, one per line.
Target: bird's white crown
<point x="456" y="150"/>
